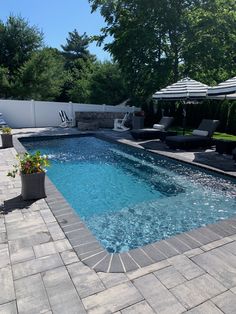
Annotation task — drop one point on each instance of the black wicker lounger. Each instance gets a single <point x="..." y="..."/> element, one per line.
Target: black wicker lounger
<point x="158" y="131"/>
<point x="202" y="137"/>
<point x="234" y="154"/>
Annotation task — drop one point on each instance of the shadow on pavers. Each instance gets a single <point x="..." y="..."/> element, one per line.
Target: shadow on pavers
<point x="15" y="203"/>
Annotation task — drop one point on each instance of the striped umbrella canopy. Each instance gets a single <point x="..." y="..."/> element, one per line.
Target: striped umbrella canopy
<point x="185" y="89"/>
<point x="224" y="88"/>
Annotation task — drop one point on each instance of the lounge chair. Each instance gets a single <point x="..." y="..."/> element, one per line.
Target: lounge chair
<point x="157" y="131"/>
<point x="234" y="154"/>
<point x="201" y="137"/>
<point x="2" y="121"/>
<point x="65" y="121"/>
<point x="119" y="124"/>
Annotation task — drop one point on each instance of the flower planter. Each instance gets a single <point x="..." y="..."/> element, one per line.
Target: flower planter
<point x="33" y="186"/>
<point x="6" y="140"/>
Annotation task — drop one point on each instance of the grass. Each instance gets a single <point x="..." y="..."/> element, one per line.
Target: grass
<point x="217" y="135"/>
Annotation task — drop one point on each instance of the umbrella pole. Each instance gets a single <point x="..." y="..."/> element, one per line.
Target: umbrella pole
<point x="184" y="118"/>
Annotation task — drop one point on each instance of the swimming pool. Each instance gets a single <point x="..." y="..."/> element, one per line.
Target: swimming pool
<point x="128" y="197"/>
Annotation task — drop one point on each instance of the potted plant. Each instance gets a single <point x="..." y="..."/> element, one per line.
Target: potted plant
<point x="6" y="137"/>
<point x="31" y="168"/>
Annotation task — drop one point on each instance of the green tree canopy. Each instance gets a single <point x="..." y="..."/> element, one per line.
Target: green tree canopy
<point x="17" y="42"/>
<point x="41" y="77"/>
<point x="99" y="83"/>
<point x="158" y="41"/>
<point x="209" y="52"/>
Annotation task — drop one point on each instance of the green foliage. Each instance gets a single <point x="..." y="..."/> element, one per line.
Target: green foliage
<point x="29" y="163"/>
<point x="17" y="42"/>
<point x="76" y="48"/>
<point x="4" y="82"/>
<point x="157" y="41"/>
<point x="99" y="83"/>
<point x="41" y="77"/>
<point x="210" y="41"/>
<point x="5" y="130"/>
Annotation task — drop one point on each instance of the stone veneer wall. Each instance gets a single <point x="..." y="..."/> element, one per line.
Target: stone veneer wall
<point x="104" y="119"/>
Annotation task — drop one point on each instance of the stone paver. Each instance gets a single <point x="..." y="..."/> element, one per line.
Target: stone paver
<point x="205" y="308"/>
<point x="170" y="277"/>
<point x="40" y="272"/>
<point x="86" y="281"/>
<point x="7" y="293"/>
<point x="139" y="308"/>
<point x="198" y="290"/>
<point x="110" y="280"/>
<point x="226" y="302"/>
<point x="220" y="264"/>
<point x="8" y="308"/>
<point x="160" y="299"/>
<point x="62" y="300"/>
<point x="113" y="299"/>
<point x="186" y="267"/>
<point x="69" y="257"/>
<point x="148" y="269"/>
<point x="31" y="295"/>
<point x="36" y="265"/>
<point x="22" y="255"/>
<point x="4" y="255"/>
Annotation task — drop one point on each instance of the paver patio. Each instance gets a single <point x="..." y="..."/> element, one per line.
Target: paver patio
<point x="41" y="273"/>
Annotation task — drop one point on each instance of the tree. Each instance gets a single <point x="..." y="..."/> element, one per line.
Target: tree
<point x="18" y="41"/>
<point x="210" y="41"/>
<point x="4" y="83"/>
<point x="76" y="55"/>
<point x="76" y="48"/>
<point x="158" y="41"/>
<point x="107" y="85"/>
<point x="99" y="83"/>
<point x="147" y="39"/>
<point x="41" y="77"/>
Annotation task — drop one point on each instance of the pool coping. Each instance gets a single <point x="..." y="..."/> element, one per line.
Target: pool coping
<point x="94" y="255"/>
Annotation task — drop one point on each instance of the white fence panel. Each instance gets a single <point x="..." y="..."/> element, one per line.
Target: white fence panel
<point x="18" y="113"/>
<point x="47" y="113"/>
<point x="30" y="113"/>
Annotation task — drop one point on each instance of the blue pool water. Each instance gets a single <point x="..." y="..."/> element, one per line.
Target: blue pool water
<point x="129" y="198"/>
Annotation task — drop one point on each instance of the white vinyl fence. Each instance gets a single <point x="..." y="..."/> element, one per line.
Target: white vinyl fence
<point x="30" y="113"/>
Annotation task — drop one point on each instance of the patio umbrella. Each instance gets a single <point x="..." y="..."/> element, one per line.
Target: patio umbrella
<point x="224" y="88"/>
<point x="186" y="90"/>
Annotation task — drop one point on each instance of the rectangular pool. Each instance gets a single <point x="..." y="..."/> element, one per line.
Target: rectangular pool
<point x="128" y="197"/>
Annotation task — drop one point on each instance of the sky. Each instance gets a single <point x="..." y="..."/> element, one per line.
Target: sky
<point x="56" y="18"/>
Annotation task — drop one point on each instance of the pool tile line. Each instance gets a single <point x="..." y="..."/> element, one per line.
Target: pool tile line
<point x="92" y="254"/>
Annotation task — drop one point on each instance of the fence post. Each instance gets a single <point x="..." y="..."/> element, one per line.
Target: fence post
<point x="34" y="113"/>
<point x="72" y="113"/>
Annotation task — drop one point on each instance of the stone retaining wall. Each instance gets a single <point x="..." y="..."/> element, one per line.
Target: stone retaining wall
<point x="103" y="119"/>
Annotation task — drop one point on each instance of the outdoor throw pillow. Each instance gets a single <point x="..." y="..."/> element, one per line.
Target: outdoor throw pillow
<point x="159" y="127"/>
<point x="200" y="132"/>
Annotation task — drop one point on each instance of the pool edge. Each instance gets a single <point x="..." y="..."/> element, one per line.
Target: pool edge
<point x="91" y="252"/>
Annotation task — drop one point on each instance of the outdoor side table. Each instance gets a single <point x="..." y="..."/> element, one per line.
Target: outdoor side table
<point x="225" y="146"/>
